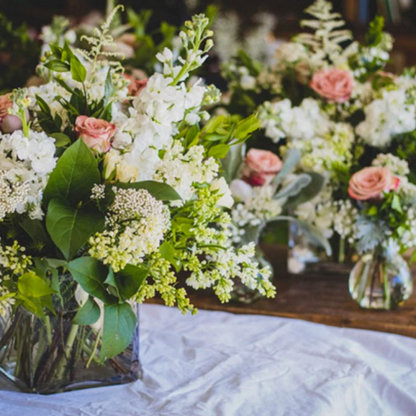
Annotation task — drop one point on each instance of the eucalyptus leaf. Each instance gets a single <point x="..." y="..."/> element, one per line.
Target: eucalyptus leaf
<point x="309" y="192"/>
<point x="291" y="160"/>
<point x="300" y="182"/>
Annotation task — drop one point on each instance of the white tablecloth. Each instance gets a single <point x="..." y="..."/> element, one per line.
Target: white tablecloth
<point x="218" y="364"/>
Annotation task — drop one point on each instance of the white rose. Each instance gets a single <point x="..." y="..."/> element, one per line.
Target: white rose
<point x="226" y="199"/>
<point x="241" y="190"/>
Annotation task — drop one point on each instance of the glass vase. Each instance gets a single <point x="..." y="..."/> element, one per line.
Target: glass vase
<point x="50" y="354"/>
<point x="307" y="258"/>
<point x="381" y="280"/>
<point x="242" y="293"/>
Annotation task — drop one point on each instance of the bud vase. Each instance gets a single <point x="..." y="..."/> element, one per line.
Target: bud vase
<point x="49" y="354"/>
<point x="381" y="280"/>
<point x="242" y="293"/>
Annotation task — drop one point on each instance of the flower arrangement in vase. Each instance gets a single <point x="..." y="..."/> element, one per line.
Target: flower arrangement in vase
<point x="105" y="199"/>
<point x="331" y="98"/>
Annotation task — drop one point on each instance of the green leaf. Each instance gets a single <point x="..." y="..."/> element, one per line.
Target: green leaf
<point x="119" y="324"/>
<point x="130" y="279"/>
<point x="78" y="71"/>
<point x="233" y="161"/>
<point x="35" y="230"/>
<point x="309" y="192"/>
<point x="31" y="285"/>
<point x="69" y="227"/>
<point x="88" y="314"/>
<point x="61" y="139"/>
<point x="159" y="190"/>
<point x="246" y="127"/>
<point x="396" y="205"/>
<point x="111" y="282"/>
<point x="90" y="273"/>
<point x="74" y="175"/>
<point x="168" y="252"/>
<point x="57" y="66"/>
<point x="219" y="151"/>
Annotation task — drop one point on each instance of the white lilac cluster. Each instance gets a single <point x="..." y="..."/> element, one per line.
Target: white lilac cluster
<point x="25" y="165"/>
<point x="136" y="224"/>
<point x="281" y="120"/>
<point x="385" y="117"/>
<point x="182" y="169"/>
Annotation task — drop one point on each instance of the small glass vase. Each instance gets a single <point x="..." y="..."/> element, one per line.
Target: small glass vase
<point x="306" y="258"/>
<point x="242" y="293"/>
<point x="381" y="280"/>
<point x="52" y="355"/>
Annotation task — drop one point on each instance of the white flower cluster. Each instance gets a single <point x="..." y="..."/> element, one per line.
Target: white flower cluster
<point x="25" y="165"/>
<point x="393" y="163"/>
<point x="136" y="225"/>
<point x="386" y="117"/>
<point x="181" y="169"/>
<point x="281" y="120"/>
<point x="255" y="206"/>
<point x="150" y="127"/>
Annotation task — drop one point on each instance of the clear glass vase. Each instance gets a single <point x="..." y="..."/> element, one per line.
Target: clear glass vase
<point x="381" y="280"/>
<point x="242" y="293"/>
<point x="307" y="258"/>
<point x="51" y="354"/>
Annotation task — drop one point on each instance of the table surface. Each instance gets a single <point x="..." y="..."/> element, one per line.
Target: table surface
<point x="321" y="298"/>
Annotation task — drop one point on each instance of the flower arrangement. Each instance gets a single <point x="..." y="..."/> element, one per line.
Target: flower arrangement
<point x="107" y="198"/>
<point x="331" y="98"/>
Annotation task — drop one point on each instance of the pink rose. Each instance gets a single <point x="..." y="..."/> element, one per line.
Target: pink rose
<point x="370" y="183"/>
<point x="8" y="122"/>
<point x="260" y="167"/>
<point x="95" y="133"/>
<point x="333" y="84"/>
<point x="136" y="85"/>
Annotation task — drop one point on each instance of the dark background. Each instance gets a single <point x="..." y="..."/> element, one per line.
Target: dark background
<point x="288" y="12"/>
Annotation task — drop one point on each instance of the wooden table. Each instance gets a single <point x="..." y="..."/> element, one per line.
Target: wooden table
<point x="317" y="298"/>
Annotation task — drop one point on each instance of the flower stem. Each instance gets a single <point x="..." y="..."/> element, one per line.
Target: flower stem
<point x="67" y="350"/>
<point x="94" y="350"/>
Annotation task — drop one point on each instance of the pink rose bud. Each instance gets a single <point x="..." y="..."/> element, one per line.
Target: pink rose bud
<point x="136" y="85"/>
<point x="333" y="84"/>
<point x="8" y="122"/>
<point x="95" y="133"/>
<point x="261" y="166"/>
<point x="370" y="183"/>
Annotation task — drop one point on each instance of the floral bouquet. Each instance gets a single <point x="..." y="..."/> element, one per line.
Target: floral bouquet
<point x="106" y="200"/>
<point x="384" y="219"/>
<point x="330" y="98"/>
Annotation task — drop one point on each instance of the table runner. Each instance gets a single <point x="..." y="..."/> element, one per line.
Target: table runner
<point x="217" y="363"/>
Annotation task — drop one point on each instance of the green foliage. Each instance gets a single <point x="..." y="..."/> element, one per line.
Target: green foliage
<point x="374" y="34"/>
<point x="119" y="324"/>
<point x="74" y="175"/>
<point x="69" y="227"/>
<point x="88" y="314"/>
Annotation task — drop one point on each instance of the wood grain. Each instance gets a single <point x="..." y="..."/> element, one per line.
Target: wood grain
<point x="316" y="298"/>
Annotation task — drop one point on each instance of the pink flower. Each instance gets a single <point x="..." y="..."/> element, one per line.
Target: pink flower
<point x="95" y="133"/>
<point x="136" y="85"/>
<point x="8" y="122"/>
<point x="333" y="84"/>
<point x="370" y="183"/>
<point x="260" y="167"/>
